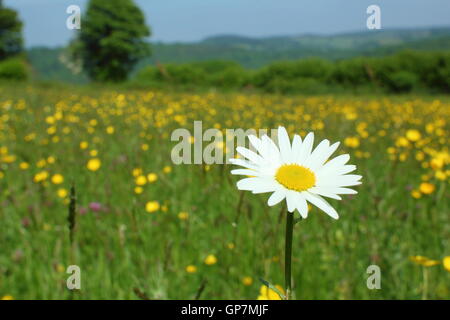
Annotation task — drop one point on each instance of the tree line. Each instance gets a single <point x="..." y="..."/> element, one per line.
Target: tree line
<point x="404" y="71"/>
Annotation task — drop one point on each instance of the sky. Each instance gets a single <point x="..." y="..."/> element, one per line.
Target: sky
<point x="193" y="20"/>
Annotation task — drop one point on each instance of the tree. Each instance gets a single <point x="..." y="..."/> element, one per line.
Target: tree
<point x="112" y="39"/>
<point x="11" y="42"/>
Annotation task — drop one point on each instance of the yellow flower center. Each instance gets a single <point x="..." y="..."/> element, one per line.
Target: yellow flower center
<point x="295" y="177"/>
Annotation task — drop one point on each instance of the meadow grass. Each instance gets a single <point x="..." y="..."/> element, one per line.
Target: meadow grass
<point x="122" y="248"/>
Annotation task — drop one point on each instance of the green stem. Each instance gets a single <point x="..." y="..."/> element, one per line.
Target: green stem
<point x="425" y="284"/>
<point x="288" y="253"/>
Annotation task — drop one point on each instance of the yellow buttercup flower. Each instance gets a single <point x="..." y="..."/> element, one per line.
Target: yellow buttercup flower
<point x="183" y="215"/>
<point x="41" y="176"/>
<point x="210" y="260"/>
<point x="167" y="169"/>
<point x="93" y="153"/>
<point x="446" y="263"/>
<point x="24" y="165"/>
<point x="191" y="269"/>
<point x="62" y="193"/>
<point x="7" y="297"/>
<point x="138" y="190"/>
<point x="152" y="177"/>
<point x="402" y="142"/>
<point x="141" y="180"/>
<point x="265" y="293"/>
<point x="440" y="175"/>
<point x="437" y="163"/>
<point x="152" y="206"/>
<point x="84" y="145"/>
<point x="352" y="142"/>
<point x="57" y="179"/>
<point x="136" y="172"/>
<point x="413" y="135"/>
<point x="94" y="164"/>
<point x="247" y="281"/>
<point x="416" y="194"/>
<point x="427" y="188"/>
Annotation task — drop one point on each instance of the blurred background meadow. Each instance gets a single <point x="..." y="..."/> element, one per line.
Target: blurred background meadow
<point x="94" y="109"/>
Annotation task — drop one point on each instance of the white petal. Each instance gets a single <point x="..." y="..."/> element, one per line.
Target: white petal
<point x="296" y="145"/>
<point x="271" y="148"/>
<point x="319" y="161"/>
<point x="326" y="192"/>
<point x="318" y="152"/>
<point x="302" y="206"/>
<point x="276" y="197"/>
<point x="257" y="144"/>
<point x="321" y="203"/>
<point x="250" y="155"/>
<point x="244" y="163"/>
<point x="284" y="144"/>
<point x="340" y="181"/>
<point x="305" y="149"/>
<point x="248" y="183"/>
<point x="336" y="162"/>
<point x="266" y="184"/>
<point x="339" y="170"/>
<point x="338" y="190"/>
<point x="273" y="158"/>
<point x="291" y="200"/>
<point x="245" y="172"/>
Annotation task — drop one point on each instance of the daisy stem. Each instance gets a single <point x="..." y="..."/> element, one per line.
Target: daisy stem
<point x="288" y="253"/>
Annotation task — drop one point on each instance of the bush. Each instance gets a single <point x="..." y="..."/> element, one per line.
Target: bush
<point x="353" y="72"/>
<point x="13" y="69"/>
<point x="223" y="74"/>
<point x="402" y="81"/>
<point x="277" y="73"/>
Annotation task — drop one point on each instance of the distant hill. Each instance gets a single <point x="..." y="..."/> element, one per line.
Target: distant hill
<point x="257" y="52"/>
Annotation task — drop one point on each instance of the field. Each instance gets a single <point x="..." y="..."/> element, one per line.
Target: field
<point x="146" y="227"/>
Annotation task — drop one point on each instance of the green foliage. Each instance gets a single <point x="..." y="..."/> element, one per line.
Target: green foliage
<point x="402" y="72"/>
<point x="402" y="81"/>
<point x="353" y="72"/>
<point x="224" y="74"/>
<point x="11" y="42"/>
<point x="13" y="69"/>
<point x="111" y="39"/>
<point x="293" y="76"/>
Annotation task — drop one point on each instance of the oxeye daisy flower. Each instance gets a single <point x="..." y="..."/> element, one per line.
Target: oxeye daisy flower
<point x="296" y="172"/>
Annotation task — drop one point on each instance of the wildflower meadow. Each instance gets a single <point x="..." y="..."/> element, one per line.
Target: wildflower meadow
<point x="87" y="178"/>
